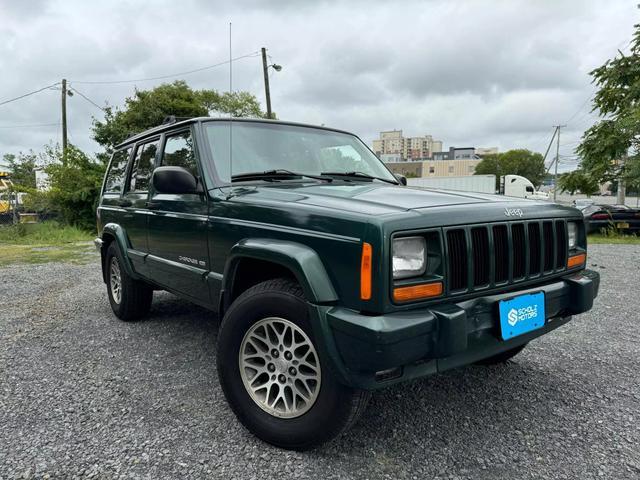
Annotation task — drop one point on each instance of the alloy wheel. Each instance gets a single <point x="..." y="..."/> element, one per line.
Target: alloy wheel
<point x="280" y="367"/>
<point x="115" y="280"/>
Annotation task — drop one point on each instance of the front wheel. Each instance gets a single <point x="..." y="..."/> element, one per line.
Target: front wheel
<point x="273" y="375"/>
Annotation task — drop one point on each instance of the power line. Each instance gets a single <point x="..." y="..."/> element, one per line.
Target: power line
<point x="162" y="77"/>
<point x="87" y="99"/>
<point x="588" y="99"/>
<point x="30" y="93"/>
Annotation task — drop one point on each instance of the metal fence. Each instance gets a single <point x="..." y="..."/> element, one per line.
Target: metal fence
<point x="7" y="219"/>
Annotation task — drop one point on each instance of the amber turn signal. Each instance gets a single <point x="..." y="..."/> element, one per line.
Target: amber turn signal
<point x="417" y="292"/>
<point x="365" y="272"/>
<point x="576" y="260"/>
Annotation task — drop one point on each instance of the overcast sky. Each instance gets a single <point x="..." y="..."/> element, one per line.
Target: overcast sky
<point x="470" y="73"/>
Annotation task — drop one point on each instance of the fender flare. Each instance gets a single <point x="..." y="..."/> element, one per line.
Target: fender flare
<point x="301" y="260"/>
<point x="117" y="232"/>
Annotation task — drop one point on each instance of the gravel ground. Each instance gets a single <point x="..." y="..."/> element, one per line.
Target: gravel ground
<point x="85" y="395"/>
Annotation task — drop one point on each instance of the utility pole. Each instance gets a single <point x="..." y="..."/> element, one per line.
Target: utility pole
<point x="555" y="175"/>
<point x="622" y="190"/>
<point x="64" y="121"/>
<point x="265" y="70"/>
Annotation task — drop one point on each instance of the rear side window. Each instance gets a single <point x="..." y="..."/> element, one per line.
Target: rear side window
<point x="116" y="175"/>
<point x="143" y="166"/>
<point x="178" y="152"/>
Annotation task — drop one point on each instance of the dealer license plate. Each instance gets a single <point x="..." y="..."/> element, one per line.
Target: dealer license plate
<point x="521" y="314"/>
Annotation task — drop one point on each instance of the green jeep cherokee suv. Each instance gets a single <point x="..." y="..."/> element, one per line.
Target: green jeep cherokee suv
<point x="331" y="277"/>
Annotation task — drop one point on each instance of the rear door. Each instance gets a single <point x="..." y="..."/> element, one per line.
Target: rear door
<point x="110" y="208"/>
<point x="134" y="202"/>
<point x="178" y="250"/>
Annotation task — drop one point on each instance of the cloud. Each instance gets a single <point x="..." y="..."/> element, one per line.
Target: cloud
<point x="492" y="73"/>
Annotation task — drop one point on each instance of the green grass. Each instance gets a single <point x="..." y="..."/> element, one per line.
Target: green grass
<point x="45" y="242"/>
<point x="46" y="233"/>
<point x="613" y="239"/>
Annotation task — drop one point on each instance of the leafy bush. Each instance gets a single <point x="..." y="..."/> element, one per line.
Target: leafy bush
<point x="38" y="201"/>
<point x="75" y="186"/>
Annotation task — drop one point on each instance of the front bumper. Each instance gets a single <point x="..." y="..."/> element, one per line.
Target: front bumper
<point x="416" y="343"/>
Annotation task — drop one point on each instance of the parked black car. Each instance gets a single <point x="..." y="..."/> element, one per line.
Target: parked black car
<point x="621" y="217"/>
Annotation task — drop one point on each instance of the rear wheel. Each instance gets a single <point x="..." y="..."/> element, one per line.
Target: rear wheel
<point x="502" y="357"/>
<point x="272" y="374"/>
<point x="130" y="299"/>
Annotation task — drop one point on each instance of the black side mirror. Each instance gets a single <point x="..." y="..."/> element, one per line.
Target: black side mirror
<point x="176" y="180"/>
<point x="402" y="179"/>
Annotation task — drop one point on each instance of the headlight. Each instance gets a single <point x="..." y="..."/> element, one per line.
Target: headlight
<point x="572" y="229"/>
<point x="409" y="257"/>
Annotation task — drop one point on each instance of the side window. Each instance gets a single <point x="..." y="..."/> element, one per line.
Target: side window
<point x="143" y="167"/>
<point x="178" y="152"/>
<point x="116" y="175"/>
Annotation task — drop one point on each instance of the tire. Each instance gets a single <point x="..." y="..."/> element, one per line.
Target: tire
<point x="131" y="300"/>
<point x="501" y="357"/>
<point x="279" y="306"/>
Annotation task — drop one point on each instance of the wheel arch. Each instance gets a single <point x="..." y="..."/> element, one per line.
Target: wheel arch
<point x="112" y="232"/>
<point x="273" y="259"/>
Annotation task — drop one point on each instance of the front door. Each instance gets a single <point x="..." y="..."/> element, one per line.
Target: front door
<point x="178" y="250"/>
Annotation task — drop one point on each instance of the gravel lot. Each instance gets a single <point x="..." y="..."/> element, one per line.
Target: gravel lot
<point x="85" y="395"/>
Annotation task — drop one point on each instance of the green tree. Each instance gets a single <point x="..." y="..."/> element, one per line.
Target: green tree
<point x="578" y="180"/>
<point x="513" y="162"/>
<point x="148" y="108"/>
<point x="616" y="137"/>
<point x="23" y="169"/>
<point x="74" y="186"/>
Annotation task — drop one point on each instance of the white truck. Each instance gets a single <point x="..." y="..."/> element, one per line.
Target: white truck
<point x="511" y="185"/>
<point x="518" y="186"/>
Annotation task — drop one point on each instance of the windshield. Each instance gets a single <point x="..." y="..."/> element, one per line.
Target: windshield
<point x="260" y="147"/>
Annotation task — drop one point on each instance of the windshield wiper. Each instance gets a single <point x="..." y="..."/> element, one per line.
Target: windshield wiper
<point x="279" y="174"/>
<point x="359" y="175"/>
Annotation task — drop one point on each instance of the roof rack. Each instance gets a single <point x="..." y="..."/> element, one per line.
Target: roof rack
<point x="169" y="119"/>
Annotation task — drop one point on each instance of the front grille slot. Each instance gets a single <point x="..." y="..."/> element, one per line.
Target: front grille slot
<point x="501" y="253"/>
<point x="519" y="249"/>
<point x="549" y="254"/>
<point x="457" y="246"/>
<point x="481" y="265"/>
<point x="561" y="244"/>
<point x="535" y="251"/>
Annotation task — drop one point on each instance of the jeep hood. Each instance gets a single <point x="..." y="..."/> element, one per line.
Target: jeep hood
<point x="368" y="198"/>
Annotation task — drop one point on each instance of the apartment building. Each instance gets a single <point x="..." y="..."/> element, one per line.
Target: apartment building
<point x="454" y="153"/>
<point x="393" y="142"/>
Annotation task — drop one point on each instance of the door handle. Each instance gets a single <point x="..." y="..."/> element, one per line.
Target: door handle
<point x="152" y="205"/>
<point x="125" y="203"/>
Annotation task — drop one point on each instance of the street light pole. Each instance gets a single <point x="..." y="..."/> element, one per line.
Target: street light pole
<point x="265" y="70"/>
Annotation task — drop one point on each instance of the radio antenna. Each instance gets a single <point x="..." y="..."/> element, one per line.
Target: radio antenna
<point x="230" y="111"/>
